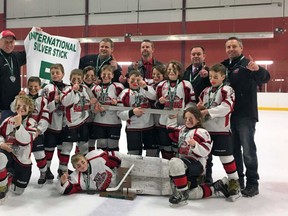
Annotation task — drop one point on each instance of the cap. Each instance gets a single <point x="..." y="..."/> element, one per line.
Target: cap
<point x="7" y="33"/>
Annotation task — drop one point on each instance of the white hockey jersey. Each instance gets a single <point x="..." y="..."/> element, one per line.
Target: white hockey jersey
<point x="104" y="94"/>
<point x="219" y="102"/>
<point x="77" y="106"/>
<point x="100" y="176"/>
<point x="22" y="138"/>
<point x="181" y="135"/>
<point x="56" y="110"/>
<point x="178" y="96"/>
<point x="40" y="112"/>
<point x="133" y="99"/>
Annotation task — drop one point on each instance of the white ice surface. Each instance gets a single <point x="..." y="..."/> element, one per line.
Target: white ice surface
<point x="271" y="140"/>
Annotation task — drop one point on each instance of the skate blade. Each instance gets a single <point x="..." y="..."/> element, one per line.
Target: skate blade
<point x="233" y="198"/>
<point x="178" y="205"/>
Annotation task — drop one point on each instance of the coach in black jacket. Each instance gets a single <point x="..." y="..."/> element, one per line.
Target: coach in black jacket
<point x="244" y="75"/>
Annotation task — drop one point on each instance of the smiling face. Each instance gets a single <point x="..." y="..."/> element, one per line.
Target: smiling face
<point x="172" y="72"/>
<point x="216" y="78"/>
<point x="190" y="120"/>
<point x="233" y="49"/>
<point x="106" y="76"/>
<point x="89" y="77"/>
<point x="81" y="165"/>
<point x="157" y="76"/>
<point x="34" y="88"/>
<point x="105" y="49"/>
<point x="24" y="105"/>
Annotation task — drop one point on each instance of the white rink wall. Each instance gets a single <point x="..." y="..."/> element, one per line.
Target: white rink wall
<point x="273" y="101"/>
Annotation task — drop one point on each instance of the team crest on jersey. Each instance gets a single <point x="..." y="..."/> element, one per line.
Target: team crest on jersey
<point x="100" y="179"/>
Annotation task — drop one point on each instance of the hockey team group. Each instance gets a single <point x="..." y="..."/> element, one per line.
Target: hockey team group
<point x="194" y="124"/>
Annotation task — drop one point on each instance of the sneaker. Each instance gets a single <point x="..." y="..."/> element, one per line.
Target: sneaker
<point x="3" y="193"/>
<point x="42" y="179"/>
<point x="49" y="175"/>
<point x="221" y="187"/>
<point x="250" y="191"/>
<point x="179" y="196"/>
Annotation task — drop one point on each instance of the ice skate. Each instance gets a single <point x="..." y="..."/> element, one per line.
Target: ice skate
<point x="42" y="179"/>
<point x="49" y="176"/>
<point x="221" y="187"/>
<point x="3" y="194"/>
<point x="234" y="190"/>
<point x="179" y="198"/>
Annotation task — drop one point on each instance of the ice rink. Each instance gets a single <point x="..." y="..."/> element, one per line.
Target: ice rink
<point x="271" y="140"/>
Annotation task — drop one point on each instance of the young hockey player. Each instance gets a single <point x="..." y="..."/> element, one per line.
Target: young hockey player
<point x="173" y="93"/>
<point x="187" y="170"/>
<point x="41" y="115"/>
<point x="89" y="80"/>
<point x="140" y="125"/>
<point x="17" y="134"/>
<point x="52" y="137"/>
<point x="216" y="105"/>
<point x="106" y="124"/>
<point x="93" y="172"/>
<point x="76" y="102"/>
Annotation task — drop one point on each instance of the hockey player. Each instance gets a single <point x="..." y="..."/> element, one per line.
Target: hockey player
<point x="140" y="125"/>
<point x="52" y="137"/>
<point x="16" y="136"/>
<point x="187" y="170"/>
<point x="89" y="80"/>
<point x="173" y="93"/>
<point x="93" y="172"/>
<point x="216" y="104"/>
<point x="76" y="102"/>
<point x="41" y="115"/>
<point x="106" y="124"/>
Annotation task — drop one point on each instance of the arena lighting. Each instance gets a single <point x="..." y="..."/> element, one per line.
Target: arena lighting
<point x="268" y="62"/>
<point x="212" y="36"/>
<point x="84" y="40"/>
<point x="124" y="63"/>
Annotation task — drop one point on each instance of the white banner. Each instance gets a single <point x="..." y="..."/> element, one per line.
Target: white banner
<point x="43" y="50"/>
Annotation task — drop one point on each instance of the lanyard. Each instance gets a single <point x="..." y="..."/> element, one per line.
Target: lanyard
<point x="98" y="65"/>
<point x="192" y="80"/>
<point x="9" y="65"/>
<point x="211" y="100"/>
<point x="86" y="178"/>
<point x="171" y="95"/>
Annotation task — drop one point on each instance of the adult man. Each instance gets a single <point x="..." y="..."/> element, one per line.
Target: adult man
<point x="146" y="63"/>
<point x="197" y="72"/>
<point x="244" y="75"/>
<point x="104" y="57"/>
<point x="10" y="63"/>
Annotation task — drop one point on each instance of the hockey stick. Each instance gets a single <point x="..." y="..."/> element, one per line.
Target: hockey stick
<point x="146" y="110"/>
<point x="122" y="180"/>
